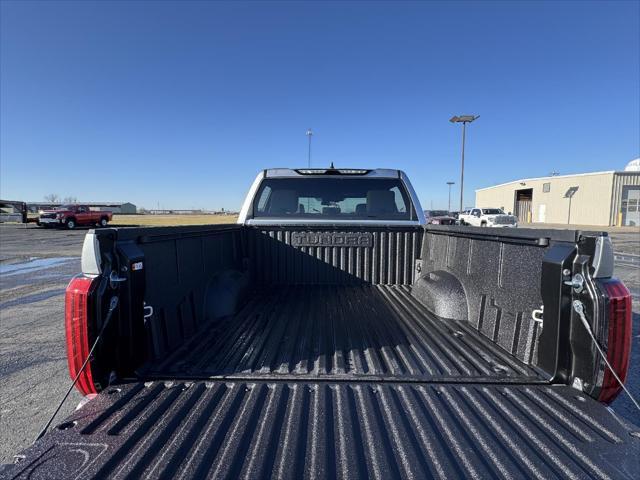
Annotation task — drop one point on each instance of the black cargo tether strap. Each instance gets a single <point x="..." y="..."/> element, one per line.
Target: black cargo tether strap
<point x="579" y="309"/>
<point x="112" y="306"/>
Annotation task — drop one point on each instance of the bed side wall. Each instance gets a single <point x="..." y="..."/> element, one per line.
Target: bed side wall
<point x="489" y="279"/>
<point x="190" y="275"/>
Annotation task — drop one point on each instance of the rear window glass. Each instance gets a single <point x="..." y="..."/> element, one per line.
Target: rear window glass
<point x="333" y="198"/>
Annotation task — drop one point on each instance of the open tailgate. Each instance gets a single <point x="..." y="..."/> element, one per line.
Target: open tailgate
<point x="347" y="430"/>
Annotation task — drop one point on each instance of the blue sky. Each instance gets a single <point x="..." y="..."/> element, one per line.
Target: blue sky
<point x="182" y="103"/>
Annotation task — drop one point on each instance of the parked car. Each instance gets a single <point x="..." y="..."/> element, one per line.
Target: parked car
<point x="71" y="216"/>
<point x="331" y="334"/>
<point x="439" y="217"/>
<point x="455" y="216"/>
<point x="487" y="217"/>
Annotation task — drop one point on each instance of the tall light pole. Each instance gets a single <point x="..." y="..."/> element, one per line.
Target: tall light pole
<point x="309" y="135"/>
<point x="464" y="119"/>
<point x="569" y="194"/>
<point x="450" y="183"/>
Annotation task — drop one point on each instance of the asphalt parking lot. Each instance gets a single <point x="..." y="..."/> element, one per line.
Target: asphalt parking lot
<point x="35" y="267"/>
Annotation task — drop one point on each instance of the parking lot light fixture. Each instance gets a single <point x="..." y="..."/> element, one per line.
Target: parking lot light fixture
<point x="569" y="194"/>
<point x="450" y="184"/>
<point x="309" y="135"/>
<point x="463" y="119"/>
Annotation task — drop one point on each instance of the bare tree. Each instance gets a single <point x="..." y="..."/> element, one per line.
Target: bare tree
<point x="52" y="198"/>
<point x="70" y="199"/>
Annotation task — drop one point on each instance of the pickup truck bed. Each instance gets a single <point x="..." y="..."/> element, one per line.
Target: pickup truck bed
<point x="288" y="352"/>
<point x="344" y="332"/>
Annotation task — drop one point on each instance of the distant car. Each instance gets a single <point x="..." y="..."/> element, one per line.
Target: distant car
<point x="487" y="217"/>
<point x="439" y="217"/>
<point x="71" y="216"/>
<point x="455" y="215"/>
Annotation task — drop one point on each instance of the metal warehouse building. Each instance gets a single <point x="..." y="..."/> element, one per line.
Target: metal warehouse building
<point x="599" y="198"/>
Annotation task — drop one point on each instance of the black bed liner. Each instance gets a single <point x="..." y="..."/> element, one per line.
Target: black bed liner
<point x="335" y="430"/>
<point x="342" y="332"/>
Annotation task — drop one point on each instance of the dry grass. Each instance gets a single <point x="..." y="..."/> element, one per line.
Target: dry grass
<point x="170" y="220"/>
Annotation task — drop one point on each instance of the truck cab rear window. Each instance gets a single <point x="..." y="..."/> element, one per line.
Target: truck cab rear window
<point x="333" y="198"/>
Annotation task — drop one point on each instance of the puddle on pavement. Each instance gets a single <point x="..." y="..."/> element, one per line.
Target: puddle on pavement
<point x="34" y="264"/>
<point x="36" y="297"/>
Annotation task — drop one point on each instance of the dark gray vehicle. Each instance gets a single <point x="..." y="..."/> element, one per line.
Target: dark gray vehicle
<point x="342" y="347"/>
<point x="439" y="217"/>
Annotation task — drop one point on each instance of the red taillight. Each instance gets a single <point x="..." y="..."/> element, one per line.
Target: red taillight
<point x="76" y="318"/>
<point x="619" y="343"/>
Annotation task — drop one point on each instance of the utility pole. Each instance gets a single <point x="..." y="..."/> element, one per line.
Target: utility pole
<point x="464" y="119"/>
<point x="450" y="184"/>
<point x="309" y="135"/>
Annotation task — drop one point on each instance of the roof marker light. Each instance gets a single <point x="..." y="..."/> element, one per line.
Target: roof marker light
<point x="332" y="171"/>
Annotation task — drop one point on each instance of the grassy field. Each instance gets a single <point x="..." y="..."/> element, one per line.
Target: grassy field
<point x="169" y="220"/>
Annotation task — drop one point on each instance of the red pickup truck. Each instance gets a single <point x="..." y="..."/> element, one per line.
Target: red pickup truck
<point x="71" y="216"/>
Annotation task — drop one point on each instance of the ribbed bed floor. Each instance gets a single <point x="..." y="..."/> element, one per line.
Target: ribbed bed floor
<point x="335" y="332"/>
<point x="253" y="429"/>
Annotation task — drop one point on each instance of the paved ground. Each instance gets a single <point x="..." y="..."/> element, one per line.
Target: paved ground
<point x="36" y="265"/>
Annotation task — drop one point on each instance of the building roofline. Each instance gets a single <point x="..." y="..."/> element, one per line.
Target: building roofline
<point x="547" y="177"/>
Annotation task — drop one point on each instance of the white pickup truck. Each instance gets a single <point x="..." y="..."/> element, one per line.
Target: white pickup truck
<point x="487" y="217"/>
<point x="332" y="334"/>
